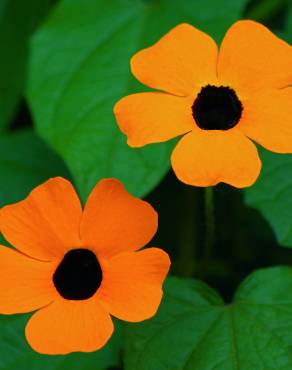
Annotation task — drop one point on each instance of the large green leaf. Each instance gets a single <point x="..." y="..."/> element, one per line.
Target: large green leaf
<point x="80" y="68"/>
<point x="25" y="161"/>
<point x="18" y="18"/>
<point x="194" y="330"/>
<point x="272" y="194"/>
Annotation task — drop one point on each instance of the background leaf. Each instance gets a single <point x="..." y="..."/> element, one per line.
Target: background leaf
<point x="264" y="9"/>
<point x="194" y="330"/>
<point x="80" y="68"/>
<point x="18" y="19"/>
<point x="25" y="162"/>
<point x="289" y="23"/>
<point x="272" y="194"/>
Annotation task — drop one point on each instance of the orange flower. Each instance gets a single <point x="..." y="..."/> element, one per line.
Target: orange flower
<point x="218" y="99"/>
<point x="78" y="267"/>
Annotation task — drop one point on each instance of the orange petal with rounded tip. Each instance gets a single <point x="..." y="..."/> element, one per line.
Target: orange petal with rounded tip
<point x="205" y="158"/>
<point x="181" y="60"/>
<point x="114" y="221"/>
<point x="132" y="283"/>
<point x="253" y="58"/>
<point x="25" y="284"/>
<point x="46" y="224"/>
<point x="69" y="326"/>
<point x="267" y="119"/>
<point x="153" y="117"/>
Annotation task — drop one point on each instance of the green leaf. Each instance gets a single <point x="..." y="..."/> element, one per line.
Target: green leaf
<point x="80" y="68"/>
<point x="194" y="330"/>
<point x="272" y="194"/>
<point x="18" y="19"/>
<point x="25" y="162"/>
<point x="15" y="353"/>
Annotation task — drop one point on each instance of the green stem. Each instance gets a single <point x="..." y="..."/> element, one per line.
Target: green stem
<point x="210" y="229"/>
<point x="187" y="259"/>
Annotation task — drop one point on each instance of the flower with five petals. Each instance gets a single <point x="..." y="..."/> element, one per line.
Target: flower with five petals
<point x="77" y="267"/>
<point x="219" y="100"/>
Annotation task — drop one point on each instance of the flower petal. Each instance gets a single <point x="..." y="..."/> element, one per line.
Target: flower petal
<point x="69" y="326"/>
<point x="114" y="221"/>
<point x="253" y="58"/>
<point x="181" y="60"/>
<point x="205" y="158"/>
<point x="25" y="284"/>
<point x="46" y="223"/>
<point x="153" y="117"/>
<point x="132" y="283"/>
<point x="267" y="120"/>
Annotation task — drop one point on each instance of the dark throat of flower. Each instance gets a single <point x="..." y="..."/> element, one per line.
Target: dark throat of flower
<point x="79" y="275"/>
<point x="217" y="108"/>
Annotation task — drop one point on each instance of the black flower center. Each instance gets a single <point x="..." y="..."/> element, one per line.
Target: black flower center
<point x="79" y="275"/>
<point x="217" y="108"/>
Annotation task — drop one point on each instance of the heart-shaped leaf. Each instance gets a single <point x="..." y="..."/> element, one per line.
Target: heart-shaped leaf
<point x="194" y="330"/>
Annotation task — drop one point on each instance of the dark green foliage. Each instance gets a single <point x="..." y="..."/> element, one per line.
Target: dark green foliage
<point x="72" y="71"/>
